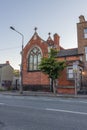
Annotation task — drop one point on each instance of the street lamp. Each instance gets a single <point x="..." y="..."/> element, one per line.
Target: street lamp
<point x="21" y="87"/>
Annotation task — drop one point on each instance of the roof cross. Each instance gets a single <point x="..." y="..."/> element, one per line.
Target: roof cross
<point x="49" y="33"/>
<point x="35" y="29"/>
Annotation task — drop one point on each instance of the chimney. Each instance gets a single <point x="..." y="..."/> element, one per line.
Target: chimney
<point x="81" y="19"/>
<point x="7" y="62"/>
<point x="56" y="41"/>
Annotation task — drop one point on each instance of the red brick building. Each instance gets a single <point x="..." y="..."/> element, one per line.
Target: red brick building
<point x="76" y="59"/>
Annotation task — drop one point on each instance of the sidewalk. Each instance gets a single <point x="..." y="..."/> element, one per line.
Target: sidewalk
<point x="37" y="93"/>
<point x="27" y="93"/>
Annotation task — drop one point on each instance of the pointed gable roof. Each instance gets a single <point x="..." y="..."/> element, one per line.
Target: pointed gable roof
<point x="36" y="36"/>
<point x="50" y="42"/>
<point x="34" y="39"/>
<point x="4" y="64"/>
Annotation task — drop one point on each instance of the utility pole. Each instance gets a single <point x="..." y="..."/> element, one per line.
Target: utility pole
<point x="21" y="68"/>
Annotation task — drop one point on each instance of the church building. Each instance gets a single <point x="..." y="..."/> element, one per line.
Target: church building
<point x="73" y="77"/>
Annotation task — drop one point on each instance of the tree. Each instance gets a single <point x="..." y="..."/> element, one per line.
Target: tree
<point x="51" y="66"/>
<point x="16" y="73"/>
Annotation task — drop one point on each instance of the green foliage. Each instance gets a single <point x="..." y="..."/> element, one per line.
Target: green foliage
<point x="16" y="73"/>
<point x="51" y="66"/>
<point x="53" y="53"/>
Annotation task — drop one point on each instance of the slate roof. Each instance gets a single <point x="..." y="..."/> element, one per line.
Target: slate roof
<point x="68" y="52"/>
<point x="2" y="65"/>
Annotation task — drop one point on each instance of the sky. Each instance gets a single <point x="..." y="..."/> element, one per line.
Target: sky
<point x="54" y="16"/>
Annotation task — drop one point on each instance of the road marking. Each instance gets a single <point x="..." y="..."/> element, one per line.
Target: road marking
<point x="1" y="103"/>
<point x="71" y="101"/>
<point x="66" y="111"/>
<point x="83" y="101"/>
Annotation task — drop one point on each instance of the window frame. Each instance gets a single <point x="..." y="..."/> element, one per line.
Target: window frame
<point x="36" y="54"/>
<point x="86" y="53"/>
<point x="85" y="33"/>
<point x="69" y="77"/>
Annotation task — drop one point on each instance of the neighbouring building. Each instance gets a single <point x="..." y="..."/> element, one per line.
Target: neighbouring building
<point x="16" y="80"/>
<point x="74" y="75"/>
<point x="82" y="46"/>
<point x="6" y="75"/>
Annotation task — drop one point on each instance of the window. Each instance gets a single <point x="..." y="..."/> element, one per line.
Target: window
<point x="86" y="53"/>
<point x="70" y="73"/>
<point x="80" y="58"/>
<point x="85" y="32"/>
<point x="34" y="59"/>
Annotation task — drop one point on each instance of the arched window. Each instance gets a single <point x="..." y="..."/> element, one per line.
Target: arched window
<point x="34" y="59"/>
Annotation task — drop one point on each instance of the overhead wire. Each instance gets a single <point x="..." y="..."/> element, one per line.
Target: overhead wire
<point x="10" y="48"/>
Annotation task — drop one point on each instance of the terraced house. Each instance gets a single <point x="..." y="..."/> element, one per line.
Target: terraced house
<point x="6" y="75"/>
<point x="73" y="77"/>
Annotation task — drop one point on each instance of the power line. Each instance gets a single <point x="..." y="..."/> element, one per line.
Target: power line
<point x="11" y="48"/>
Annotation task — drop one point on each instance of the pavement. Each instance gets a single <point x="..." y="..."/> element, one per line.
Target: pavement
<point x="38" y="93"/>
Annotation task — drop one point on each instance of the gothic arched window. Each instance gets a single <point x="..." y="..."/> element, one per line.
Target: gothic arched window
<point x="34" y="59"/>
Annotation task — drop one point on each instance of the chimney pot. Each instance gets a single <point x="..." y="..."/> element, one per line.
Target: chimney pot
<point x="81" y="18"/>
<point x="56" y="40"/>
<point x="7" y="62"/>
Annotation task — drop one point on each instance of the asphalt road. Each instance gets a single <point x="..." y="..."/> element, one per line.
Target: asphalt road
<point x="42" y="113"/>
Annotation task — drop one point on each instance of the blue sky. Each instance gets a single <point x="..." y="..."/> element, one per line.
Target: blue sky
<point x="55" y="16"/>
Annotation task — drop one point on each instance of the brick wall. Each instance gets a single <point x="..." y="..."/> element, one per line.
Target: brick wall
<point x="37" y="77"/>
<point x="82" y="42"/>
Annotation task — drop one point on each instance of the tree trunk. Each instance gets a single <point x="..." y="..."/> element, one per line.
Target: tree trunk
<point x="51" y="84"/>
<point x="55" y="86"/>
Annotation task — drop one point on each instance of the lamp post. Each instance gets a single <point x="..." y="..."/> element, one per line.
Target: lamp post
<point x="21" y="68"/>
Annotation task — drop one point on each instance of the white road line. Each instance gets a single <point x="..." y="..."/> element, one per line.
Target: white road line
<point x="66" y="111"/>
<point x="71" y="101"/>
<point x="82" y="101"/>
<point x="1" y="103"/>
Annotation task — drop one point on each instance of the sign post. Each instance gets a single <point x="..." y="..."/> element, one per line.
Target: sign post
<point x="75" y="70"/>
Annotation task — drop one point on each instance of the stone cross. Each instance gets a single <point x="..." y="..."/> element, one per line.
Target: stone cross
<point x="35" y="29"/>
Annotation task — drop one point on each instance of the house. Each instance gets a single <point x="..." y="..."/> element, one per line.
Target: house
<point x="6" y="75"/>
<point x="73" y="78"/>
<point x="16" y="80"/>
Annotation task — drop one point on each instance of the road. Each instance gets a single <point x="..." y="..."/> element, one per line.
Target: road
<point x="42" y="113"/>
